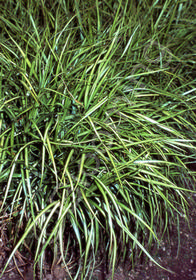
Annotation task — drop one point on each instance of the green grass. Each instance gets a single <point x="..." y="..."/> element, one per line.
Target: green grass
<point x="97" y="125"/>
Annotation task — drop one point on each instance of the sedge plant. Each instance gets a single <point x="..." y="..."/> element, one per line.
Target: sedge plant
<point x="97" y="126"/>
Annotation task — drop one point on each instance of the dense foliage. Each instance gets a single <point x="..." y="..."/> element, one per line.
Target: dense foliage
<point x="97" y="125"/>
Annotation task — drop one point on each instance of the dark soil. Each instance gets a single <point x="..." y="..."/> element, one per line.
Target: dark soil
<point x="177" y="255"/>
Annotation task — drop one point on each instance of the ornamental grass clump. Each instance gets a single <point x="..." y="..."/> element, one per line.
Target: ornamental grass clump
<point x="97" y="127"/>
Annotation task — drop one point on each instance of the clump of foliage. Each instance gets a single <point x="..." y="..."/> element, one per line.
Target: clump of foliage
<point x="97" y="125"/>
